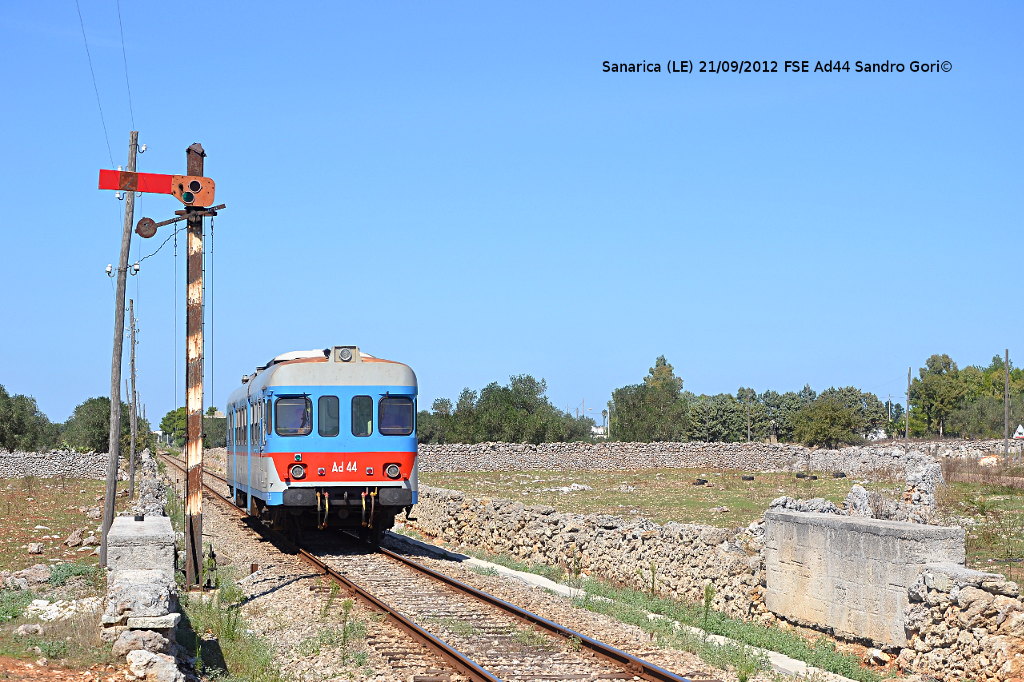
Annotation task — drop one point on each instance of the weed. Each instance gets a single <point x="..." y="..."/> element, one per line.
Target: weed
<point x="484" y="570"/>
<point x="574" y="644"/>
<point x="61" y="573"/>
<point x="226" y="644"/>
<point x="325" y="608"/>
<point x="13" y="603"/>
<point x="531" y="637"/>
<point x="709" y="595"/>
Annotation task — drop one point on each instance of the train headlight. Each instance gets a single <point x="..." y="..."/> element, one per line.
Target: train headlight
<point x="392" y="471"/>
<point x="298" y="471"/>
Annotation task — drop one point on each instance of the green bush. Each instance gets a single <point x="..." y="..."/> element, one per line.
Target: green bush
<point x="61" y="573"/>
<point x="13" y="603"/>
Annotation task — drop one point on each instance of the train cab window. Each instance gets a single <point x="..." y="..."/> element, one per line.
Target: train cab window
<point x="362" y="415"/>
<point x="328" y="421"/>
<point x="267" y="415"/>
<point x="293" y="416"/>
<point x="395" y="416"/>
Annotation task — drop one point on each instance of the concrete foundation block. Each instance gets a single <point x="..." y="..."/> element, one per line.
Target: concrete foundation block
<point x="147" y="544"/>
<point x="850" y="574"/>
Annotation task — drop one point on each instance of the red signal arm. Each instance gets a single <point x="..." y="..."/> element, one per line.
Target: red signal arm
<point x="136" y="182"/>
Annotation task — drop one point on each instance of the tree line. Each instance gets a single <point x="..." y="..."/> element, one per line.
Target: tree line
<point x="945" y="401"/>
<point x="24" y="427"/>
<point x="518" y="412"/>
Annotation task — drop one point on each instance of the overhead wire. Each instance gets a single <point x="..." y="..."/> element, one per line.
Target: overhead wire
<point x="95" y="87"/>
<point x="124" y="56"/>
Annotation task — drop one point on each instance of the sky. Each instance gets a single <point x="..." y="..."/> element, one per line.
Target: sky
<point x="460" y="186"/>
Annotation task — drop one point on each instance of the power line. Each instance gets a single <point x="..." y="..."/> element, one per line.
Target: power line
<point x="124" y="56"/>
<point x="95" y="87"/>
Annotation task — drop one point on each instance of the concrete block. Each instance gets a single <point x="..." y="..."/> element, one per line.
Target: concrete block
<point x="164" y="622"/>
<point x="146" y="544"/>
<point x="850" y="574"/>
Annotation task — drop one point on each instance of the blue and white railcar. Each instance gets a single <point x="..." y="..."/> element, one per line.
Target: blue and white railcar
<point x="326" y="437"/>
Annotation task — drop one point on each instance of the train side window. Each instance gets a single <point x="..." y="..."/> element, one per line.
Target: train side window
<point x="266" y="417"/>
<point x="293" y="416"/>
<point x="328" y="421"/>
<point x="395" y="416"/>
<point x="362" y="415"/>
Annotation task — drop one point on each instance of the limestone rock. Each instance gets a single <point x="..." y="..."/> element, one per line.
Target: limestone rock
<point x="29" y="577"/>
<point x="75" y="539"/>
<point x="154" y="667"/>
<point x="29" y="629"/>
<point x="35" y="548"/>
<point x="857" y="501"/>
<point x="133" y="640"/>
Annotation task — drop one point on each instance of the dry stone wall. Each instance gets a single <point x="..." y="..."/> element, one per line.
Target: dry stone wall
<point x="53" y="464"/>
<point x="679" y="558"/>
<point x="858" y="460"/>
<point x="964" y="625"/>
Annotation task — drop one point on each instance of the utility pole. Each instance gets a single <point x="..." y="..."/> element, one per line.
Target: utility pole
<point x="1006" y="408"/>
<point x="134" y="405"/>
<point x="908" y="403"/>
<point x="194" y="156"/>
<point x="114" y="447"/>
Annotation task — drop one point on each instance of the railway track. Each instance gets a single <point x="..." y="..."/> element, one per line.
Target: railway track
<point x="478" y="636"/>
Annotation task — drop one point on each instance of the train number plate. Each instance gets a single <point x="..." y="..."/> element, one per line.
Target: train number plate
<point x="345" y="466"/>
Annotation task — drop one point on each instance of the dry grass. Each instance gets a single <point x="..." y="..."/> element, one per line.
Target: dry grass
<point x="986" y="500"/>
<point x="661" y="495"/>
<point x="52" y="503"/>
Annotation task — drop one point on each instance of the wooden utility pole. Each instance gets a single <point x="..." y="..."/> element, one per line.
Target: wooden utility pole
<point x="134" y="404"/>
<point x="1006" y="407"/>
<point x="908" y="403"/>
<point x="194" y="156"/>
<point x="114" y="447"/>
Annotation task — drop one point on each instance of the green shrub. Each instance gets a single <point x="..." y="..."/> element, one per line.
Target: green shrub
<point x="61" y="573"/>
<point x="13" y="603"/>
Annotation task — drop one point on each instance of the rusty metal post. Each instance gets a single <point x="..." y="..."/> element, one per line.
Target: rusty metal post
<point x="194" y="386"/>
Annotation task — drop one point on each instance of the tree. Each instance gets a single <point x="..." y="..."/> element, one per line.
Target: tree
<point x="88" y="427"/>
<point x="22" y="425"/>
<point x="717" y="418"/>
<point x="518" y="412"/>
<point x="175" y="426"/>
<point x="826" y="421"/>
<point x="867" y="410"/>
<point x="937" y="392"/>
<point x="652" y="411"/>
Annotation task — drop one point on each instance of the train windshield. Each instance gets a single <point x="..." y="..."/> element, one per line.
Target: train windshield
<point x="396" y="416"/>
<point x="293" y="416"/>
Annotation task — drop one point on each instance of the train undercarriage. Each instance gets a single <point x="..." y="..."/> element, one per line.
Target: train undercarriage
<point x="368" y="510"/>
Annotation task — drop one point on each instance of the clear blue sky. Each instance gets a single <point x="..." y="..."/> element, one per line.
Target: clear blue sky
<point x="460" y="187"/>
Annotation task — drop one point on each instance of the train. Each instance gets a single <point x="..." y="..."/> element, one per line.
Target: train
<point x="324" y="438"/>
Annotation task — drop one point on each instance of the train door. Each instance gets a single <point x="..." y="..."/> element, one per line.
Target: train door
<point x="230" y="444"/>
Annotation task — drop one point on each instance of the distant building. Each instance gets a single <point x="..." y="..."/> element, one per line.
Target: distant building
<point x="598" y="432"/>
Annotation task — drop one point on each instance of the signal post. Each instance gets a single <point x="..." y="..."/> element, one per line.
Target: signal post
<point x="196" y="192"/>
<point x="194" y="382"/>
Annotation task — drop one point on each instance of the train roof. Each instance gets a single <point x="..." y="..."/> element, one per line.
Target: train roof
<point x="336" y="366"/>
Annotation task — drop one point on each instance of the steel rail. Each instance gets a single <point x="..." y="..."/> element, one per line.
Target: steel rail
<point x="454" y="657"/>
<point x="635" y="666"/>
<point x="632" y="664"/>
